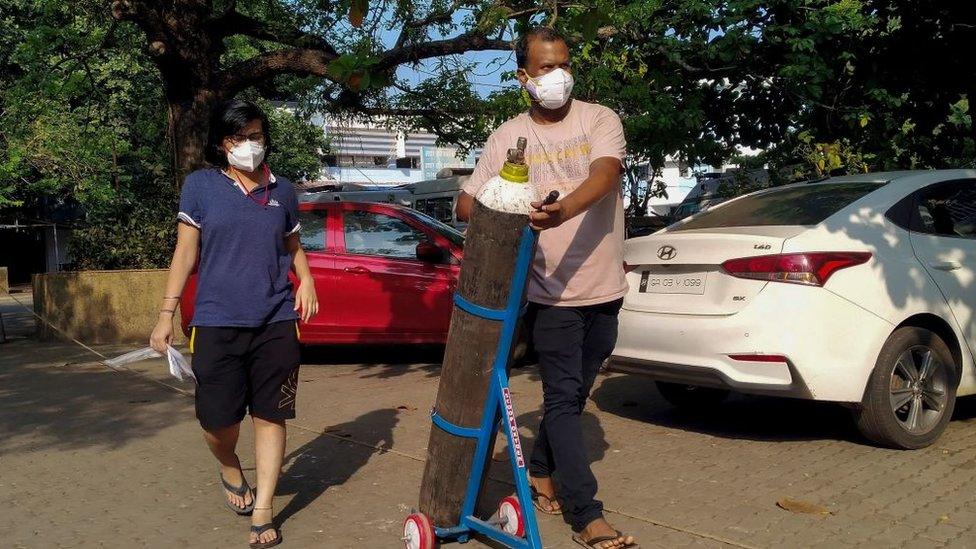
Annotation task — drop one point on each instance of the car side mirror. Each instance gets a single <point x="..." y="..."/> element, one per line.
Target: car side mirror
<point x="428" y="252"/>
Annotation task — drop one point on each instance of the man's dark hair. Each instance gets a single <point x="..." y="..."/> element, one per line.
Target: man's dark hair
<point x="229" y="118"/>
<point x="546" y="34"/>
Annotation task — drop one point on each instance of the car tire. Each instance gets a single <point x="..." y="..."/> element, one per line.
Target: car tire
<point x="904" y="405"/>
<point x="691" y="396"/>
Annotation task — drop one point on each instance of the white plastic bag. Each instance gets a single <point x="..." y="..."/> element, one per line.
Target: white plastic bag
<point x="129" y="358"/>
<point x="178" y="366"/>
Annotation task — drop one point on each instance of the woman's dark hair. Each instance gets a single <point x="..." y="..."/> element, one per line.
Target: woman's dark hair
<point x="228" y="119"/>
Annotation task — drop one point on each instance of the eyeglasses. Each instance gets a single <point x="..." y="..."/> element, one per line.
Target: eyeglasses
<point x="237" y="139"/>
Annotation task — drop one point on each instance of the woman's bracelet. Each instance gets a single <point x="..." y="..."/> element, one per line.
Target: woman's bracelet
<point x="170" y="311"/>
<point x="172" y="297"/>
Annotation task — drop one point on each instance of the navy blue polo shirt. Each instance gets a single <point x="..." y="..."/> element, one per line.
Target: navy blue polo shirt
<point x="243" y="268"/>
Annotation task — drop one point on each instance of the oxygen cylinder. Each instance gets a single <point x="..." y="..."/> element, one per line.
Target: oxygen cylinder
<point x="509" y="191"/>
<point x="498" y="219"/>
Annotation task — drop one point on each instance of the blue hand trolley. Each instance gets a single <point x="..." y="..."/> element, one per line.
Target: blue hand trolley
<point x="514" y="525"/>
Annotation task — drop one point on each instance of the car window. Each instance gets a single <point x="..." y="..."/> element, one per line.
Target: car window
<point x="369" y="233"/>
<point x="794" y="205"/>
<point x="450" y="233"/>
<point x="312" y="233"/>
<point x="440" y="208"/>
<point x="949" y="209"/>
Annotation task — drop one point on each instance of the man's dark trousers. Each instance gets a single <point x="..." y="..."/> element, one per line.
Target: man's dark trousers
<point x="572" y="343"/>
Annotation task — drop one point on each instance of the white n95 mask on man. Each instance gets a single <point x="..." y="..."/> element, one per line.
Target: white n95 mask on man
<point x="551" y="90"/>
<point x="246" y="156"/>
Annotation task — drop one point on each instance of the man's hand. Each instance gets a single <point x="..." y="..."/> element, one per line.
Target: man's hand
<point x="604" y="179"/>
<point x="465" y="202"/>
<point x="547" y="216"/>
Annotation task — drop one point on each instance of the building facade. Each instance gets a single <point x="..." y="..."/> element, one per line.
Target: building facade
<point x="373" y="155"/>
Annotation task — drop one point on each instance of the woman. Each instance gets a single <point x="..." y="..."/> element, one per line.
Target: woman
<point x="242" y="222"/>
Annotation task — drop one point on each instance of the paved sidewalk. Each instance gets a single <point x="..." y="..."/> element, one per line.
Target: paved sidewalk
<point x="17" y="320"/>
<point x="91" y="457"/>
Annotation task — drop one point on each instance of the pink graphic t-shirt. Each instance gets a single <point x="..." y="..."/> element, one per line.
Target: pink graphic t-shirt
<point x="580" y="262"/>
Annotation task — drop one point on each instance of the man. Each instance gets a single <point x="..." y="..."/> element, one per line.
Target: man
<point x="577" y="284"/>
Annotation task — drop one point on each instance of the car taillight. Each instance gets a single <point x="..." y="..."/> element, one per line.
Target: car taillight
<point x="812" y="269"/>
<point x="628" y="268"/>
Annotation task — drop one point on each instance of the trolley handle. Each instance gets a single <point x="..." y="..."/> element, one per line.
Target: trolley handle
<point x="551" y="198"/>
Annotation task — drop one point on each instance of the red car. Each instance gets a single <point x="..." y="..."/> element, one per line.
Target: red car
<point x="383" y="274"/>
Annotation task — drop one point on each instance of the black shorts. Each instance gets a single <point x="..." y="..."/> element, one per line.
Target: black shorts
<point x="245" y="369"/>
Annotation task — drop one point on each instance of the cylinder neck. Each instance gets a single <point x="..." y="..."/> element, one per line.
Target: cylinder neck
<point x="516" y="173"/>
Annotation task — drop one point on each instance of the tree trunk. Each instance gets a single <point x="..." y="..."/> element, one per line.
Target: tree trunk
<point x="189" y="124"/>
<point x="490" y="254"/>
<point x="642" y="205"/>
<point x="186" y="45"/>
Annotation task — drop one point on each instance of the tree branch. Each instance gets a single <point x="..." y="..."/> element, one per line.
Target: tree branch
<point x="443" y="16"/>
<point x="389" y="111"/>
<point x="230" y="7"/>
<point x="470" y="41"/>
<point x="315" y="61"/>
<point x="438" y="16"/>
<point x="299" y="61"/>
<point x="234" y="23"/>
<point x="147" y="17"/>
<point x="433" y="17"/>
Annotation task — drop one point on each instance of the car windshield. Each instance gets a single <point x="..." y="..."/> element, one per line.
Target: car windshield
<point x="445" y="230"/>
<point x="795" y="205"/>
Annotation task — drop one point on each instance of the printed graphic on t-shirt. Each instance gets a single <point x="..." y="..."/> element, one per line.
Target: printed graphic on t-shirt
<point x="559" y="161"/>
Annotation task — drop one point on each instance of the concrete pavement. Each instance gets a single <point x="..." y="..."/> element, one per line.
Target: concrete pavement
<point x="92" y="457"/>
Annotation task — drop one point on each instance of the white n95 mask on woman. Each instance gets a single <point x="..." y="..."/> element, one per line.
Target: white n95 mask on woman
<point x="246" y="156"/>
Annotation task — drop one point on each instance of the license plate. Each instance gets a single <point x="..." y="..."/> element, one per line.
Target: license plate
<point x="690" y="283"/>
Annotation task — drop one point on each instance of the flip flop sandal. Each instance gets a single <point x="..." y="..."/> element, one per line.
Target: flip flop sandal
<point x="238" y="491"/>
<point x="262" y="529"/>
<point x="539" y="506"/>
<point x="594" y="543"/>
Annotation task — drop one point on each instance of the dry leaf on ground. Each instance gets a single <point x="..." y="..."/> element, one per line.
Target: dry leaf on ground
<point x="805" y="507"/>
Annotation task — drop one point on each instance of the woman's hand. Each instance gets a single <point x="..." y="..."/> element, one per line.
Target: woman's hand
<point x="162" y="334"/>
<point x="306" y="302"/>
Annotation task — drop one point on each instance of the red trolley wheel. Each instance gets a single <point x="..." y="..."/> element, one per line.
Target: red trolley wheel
<point x="510" y="510"/>
<point x="418" y="533"/>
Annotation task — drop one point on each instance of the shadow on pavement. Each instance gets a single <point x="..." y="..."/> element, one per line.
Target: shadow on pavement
<point x="79" y="405"/>
<point x="500" y="468"/>
<point x="378" y="361"/>
<point x="740" y="417"/>
<point x="15" y="324"/>
<point x="965" y="408"/>
<point x="325" y="462"/>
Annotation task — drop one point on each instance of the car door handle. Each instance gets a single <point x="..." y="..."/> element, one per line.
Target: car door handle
<point x="946" y="265"/>
<point x="357" y="270"/>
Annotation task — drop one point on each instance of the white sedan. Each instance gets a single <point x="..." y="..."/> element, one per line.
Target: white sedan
<point x="859" y="290"/>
